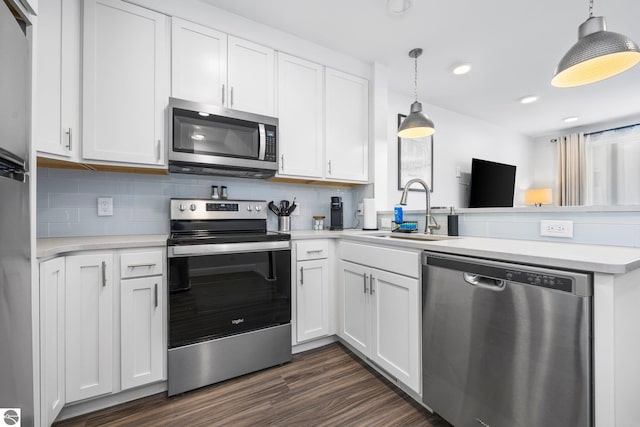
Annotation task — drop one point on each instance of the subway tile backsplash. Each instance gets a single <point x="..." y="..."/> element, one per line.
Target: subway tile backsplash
<point x="67" y="200"/>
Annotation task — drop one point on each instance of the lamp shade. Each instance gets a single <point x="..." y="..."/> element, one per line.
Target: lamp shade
<point x="416" y="124"/>
<point x="598" y="55"/>
<point x="538" y="196"/>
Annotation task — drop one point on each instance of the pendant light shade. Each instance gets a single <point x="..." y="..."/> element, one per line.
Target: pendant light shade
<point x="416" y="124"/>
<point x="598" y="55"/>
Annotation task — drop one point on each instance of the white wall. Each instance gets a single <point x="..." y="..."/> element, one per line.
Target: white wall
<point x="458" y="138"/>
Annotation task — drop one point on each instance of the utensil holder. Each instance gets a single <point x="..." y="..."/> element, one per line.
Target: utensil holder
<point x="284" y="223"/>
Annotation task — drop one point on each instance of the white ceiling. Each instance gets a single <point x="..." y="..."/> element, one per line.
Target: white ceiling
<point x="513" y="47"/>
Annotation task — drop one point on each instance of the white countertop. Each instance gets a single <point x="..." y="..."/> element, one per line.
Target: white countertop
<point x="54" y="246"/>
<point x="595" y="258"/>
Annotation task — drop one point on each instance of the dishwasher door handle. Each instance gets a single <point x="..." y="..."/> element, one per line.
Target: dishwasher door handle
<point x="485" y="282"/>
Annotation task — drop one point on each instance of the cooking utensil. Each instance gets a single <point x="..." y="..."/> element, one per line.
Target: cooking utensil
<point x="291" y="208"/>
<point x="284" y="205"/>
<point x="273" y="208"/>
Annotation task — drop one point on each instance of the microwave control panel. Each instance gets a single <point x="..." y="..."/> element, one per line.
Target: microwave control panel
<point x="270" y="151"/>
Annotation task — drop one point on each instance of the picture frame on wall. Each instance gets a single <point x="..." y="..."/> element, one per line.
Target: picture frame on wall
<point x="415" y="160"/>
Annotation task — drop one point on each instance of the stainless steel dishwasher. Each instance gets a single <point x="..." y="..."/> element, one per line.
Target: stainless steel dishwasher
<point x="506" y="345"/>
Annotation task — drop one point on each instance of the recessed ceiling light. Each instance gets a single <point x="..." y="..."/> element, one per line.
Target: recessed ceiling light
<point x="461" y="69"/>
<point x="570" y="119"/>
<point x="528" y="99"/>
<point x="398" y="7"/>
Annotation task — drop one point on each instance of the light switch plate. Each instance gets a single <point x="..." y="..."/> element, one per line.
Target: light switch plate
<point x="556" y="228"/>
<point x="105" y="206"/>
<point x="296" y="211"/>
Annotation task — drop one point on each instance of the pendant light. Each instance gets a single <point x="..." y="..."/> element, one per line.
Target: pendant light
<point x="416" y="124"/>
<point x="598" y="54"/>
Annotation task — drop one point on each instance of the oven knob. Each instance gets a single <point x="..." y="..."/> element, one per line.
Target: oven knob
<point x="192" y="207"/>
<point x="249" y="208"/>
<point x="258" y="208"/>
<point x="182" y="207"/>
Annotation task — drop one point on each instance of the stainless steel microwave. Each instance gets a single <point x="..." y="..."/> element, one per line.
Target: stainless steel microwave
<point x="211" y="140"/>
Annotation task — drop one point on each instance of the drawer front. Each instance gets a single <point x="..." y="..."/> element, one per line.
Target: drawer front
<point x="401" y="261"/>
<point x="313" y="249"/>
<point x="138" y="264"/>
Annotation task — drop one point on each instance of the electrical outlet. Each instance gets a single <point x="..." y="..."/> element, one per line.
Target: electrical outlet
<point x="296" y="211"/>
<point x="385" y="223"/>
<point x="556" y="228"/>
<point x="457" y="171"/>
<point x="105" y="206"/>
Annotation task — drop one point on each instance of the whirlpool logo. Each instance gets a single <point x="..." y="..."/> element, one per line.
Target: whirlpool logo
<point x="237" y="321"/>
<point x="10" y="417"/>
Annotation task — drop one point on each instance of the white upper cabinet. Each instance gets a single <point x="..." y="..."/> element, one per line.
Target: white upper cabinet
<point x="213" y="68"/>
<point x="300" y="113"/>
<point x="346" y="126"/>
<point x="198" y="63"/>
<point x="125" y="83"/>
<point x="251" y="77"/>
<point x="57" y="80"/>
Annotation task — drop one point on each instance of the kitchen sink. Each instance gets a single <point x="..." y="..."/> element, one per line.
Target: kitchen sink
<point x="420" y="236"/>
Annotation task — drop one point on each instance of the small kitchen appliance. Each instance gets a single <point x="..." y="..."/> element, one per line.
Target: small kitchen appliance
<point x="336" y="213"/>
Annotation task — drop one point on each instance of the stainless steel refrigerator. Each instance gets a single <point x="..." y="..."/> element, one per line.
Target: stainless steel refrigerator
<point x="16" y="333"/>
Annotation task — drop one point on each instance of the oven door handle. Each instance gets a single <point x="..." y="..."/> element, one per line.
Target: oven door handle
<point x="226" y="248"/>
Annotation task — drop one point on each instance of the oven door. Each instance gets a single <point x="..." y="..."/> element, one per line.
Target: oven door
<point x="226" y="289"/>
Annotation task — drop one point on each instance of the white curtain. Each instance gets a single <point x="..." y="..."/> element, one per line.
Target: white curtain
<point x="570" y="175"/>
<point x="613" y="167"/>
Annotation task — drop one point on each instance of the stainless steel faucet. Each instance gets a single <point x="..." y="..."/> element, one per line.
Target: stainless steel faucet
<point x="428" y="226"/>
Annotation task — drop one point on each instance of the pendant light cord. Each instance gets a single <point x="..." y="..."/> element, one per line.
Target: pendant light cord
<point x="415" y="77"/>
<point x="590" y="8"/>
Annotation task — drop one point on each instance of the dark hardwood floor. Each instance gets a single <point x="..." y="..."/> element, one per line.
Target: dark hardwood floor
<point x="328" y="386"/>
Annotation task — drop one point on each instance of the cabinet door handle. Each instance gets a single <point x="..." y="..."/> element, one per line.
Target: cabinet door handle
<point x="223" y="95"/>
<point x="302" y="275"/>
<point x="151" y="264"/>
<point x="155" y="295"/>
<point x="365" y="283"/>
<point x="68" y="135"/>
<point x="158" y="149"/>
<point x="329" y="167"/>
<point x="104" y="274"/>
<point x="282" y="162"/>
<point x="231" y="96"/>
<point x="371" y="291"/>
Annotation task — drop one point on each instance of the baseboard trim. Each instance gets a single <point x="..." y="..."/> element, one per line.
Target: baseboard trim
<point x="310" y="345"/>
<point x="84" y="407"/>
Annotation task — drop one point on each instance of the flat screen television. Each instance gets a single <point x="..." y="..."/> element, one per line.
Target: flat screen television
<point x="492" y="184"/>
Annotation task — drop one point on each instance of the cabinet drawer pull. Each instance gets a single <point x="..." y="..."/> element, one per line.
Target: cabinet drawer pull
<point x="155" y="295"/>
<point x="314" y="251"/>
<point x="68" y="135"/>
<point x="150" y="264"/>
<point x="104" y="274"/>
<point x="302" y="275"/>
<point x="365" y="283"/>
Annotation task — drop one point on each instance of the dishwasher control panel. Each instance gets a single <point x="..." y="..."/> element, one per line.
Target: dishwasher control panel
<point x="542" y="280"/>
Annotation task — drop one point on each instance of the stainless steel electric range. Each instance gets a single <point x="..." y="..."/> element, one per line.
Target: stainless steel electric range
<point x="229" y="292"/>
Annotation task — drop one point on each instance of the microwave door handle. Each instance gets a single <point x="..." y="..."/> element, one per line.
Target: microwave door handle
<point x="263" y="141"/>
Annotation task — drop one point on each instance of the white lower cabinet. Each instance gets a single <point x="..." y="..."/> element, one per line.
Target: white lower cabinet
<point x="312" y="291"/>
<point x="52" y="346"/>
<point x="81" y="299"/>
<point x="380" y="313"/>
<point x="141" y="331"/>
<point x="89" y="325"/>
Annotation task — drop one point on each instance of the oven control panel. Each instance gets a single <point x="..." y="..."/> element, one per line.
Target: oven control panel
<point x="205" y="209"/>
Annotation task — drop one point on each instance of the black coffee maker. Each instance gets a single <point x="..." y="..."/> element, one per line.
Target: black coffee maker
<point x="336" y="213"/>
